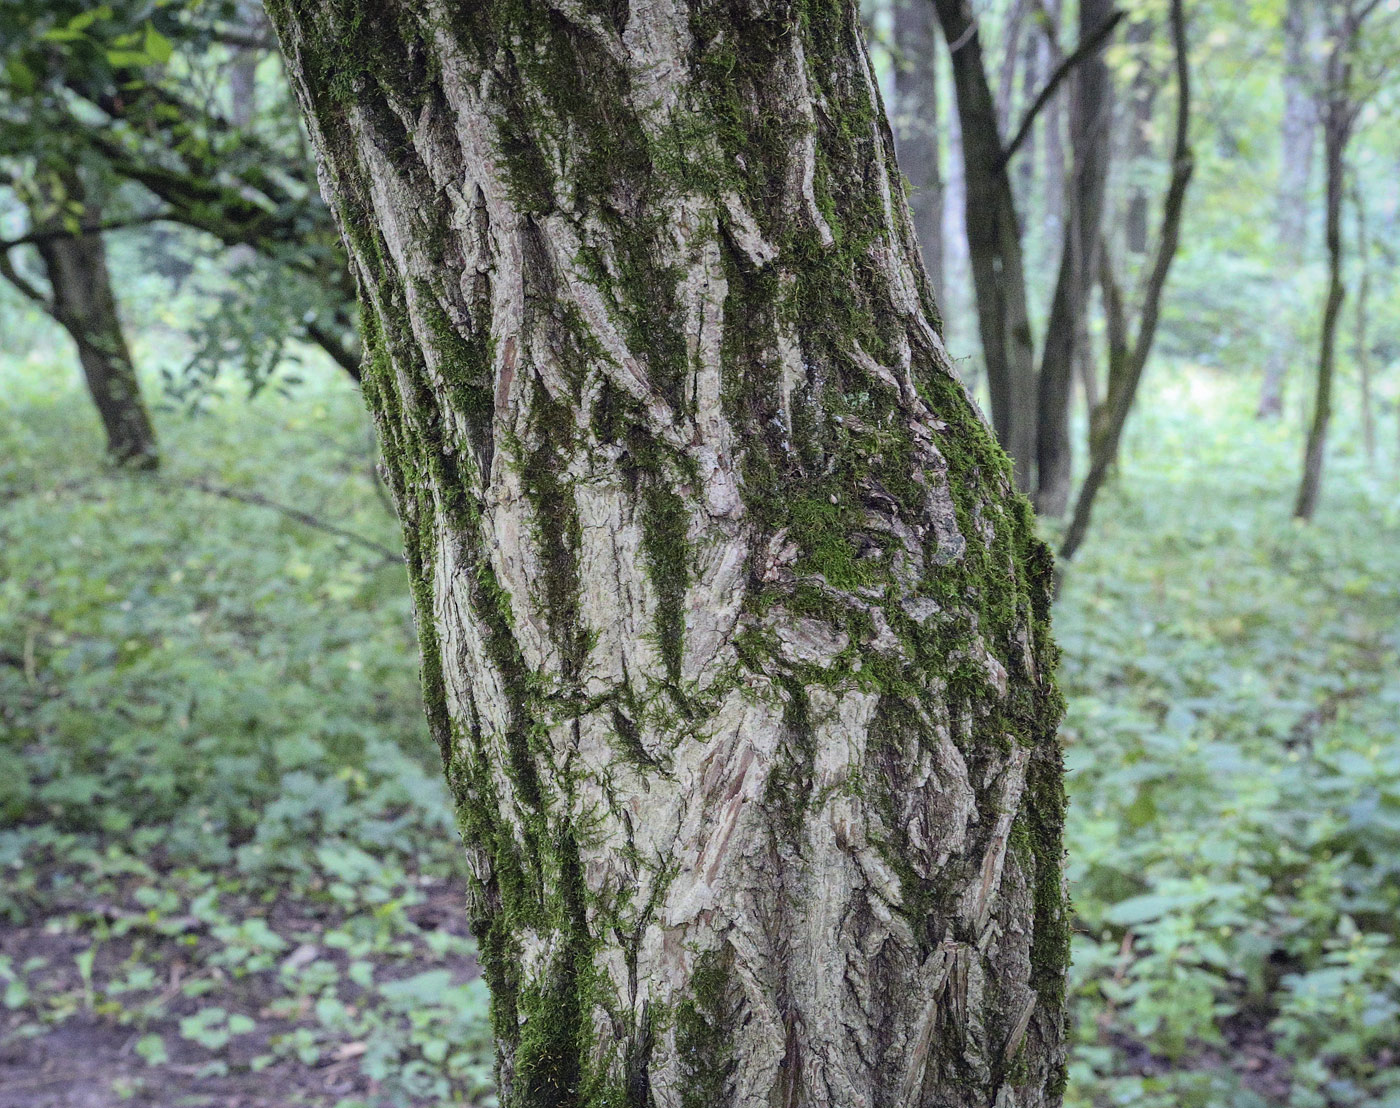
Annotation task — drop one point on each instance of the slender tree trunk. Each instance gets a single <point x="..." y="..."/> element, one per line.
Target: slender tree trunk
<point x="1091" y="120"/>
<point x="733" y="627"/>
<point x="1032" y="75"/>
<point x="1127" y="355"/>
<point x="1142" y="98"/>
<point x="1295" y="170"/>
<point x="82" y="301"/>
<point x="1363" y="318"/>
<point x="1336" y="131"/>
<point x="916" y="129"/>
<point x="1011" y="60"/>
<point x="994" y="246"/>
<point x="1053" y="221"/>
<point x="957" y="307"/>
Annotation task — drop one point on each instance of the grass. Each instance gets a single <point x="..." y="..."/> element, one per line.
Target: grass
<point x="229" y="865"/>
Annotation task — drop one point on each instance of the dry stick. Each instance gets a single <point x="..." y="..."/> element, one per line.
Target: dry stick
<point x="1125" y="371"/>
<point x="260" y="501"/>
<point x="1082" y="51"/>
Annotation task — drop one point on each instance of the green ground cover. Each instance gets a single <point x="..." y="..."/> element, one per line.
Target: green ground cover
<point x="228" y="873"/>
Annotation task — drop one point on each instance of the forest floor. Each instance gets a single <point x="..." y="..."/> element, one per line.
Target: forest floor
<point x="230" y="875"/>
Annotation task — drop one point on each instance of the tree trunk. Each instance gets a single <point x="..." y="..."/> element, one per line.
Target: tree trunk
<point x="1336" y="128"/>
<point x="1363" y="325"/>
<point x="1032" y="76"/>
<point x="733" y="627"/>
<point x="916" y="124"/>
<point x="1295" y="169"/>
<point x="82" y="301"/>
<point x="1091" y="117"/>
<point x="1142" y="99"/>
<point x="1011" y="59"/>
<point x="1127" y="355"/>
<point x="1054" y="167"/>
<point x="956" y="306"/>
<point x="994" y="246"/>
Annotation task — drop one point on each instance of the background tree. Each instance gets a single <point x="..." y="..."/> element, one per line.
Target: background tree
<point x="915" y="118"/>
<point x="1091" y="115"/>
<point x="1297" y="135"/>
<point x="994" y="235"/>
<point x="67" y="236"/>
<point x="1337" y="108"/>
<point x="1128" y="353"/>
<point x="94" y="86"/>
<point x="703" y="531"/>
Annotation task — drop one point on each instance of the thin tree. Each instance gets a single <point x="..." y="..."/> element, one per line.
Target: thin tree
<point x="1337" y="109"/>
<point x="1141" y="101"/>
<point x="1091" y="115"/>
<point x="733" y="626"/>
<point x="915" y="121"/>
<point x="1300" y="120"/>
<point x="1128" y="354"/>
<point x="994" y="229"/>
<point x="81" y="300"/>
<point x="1362" y="336"/>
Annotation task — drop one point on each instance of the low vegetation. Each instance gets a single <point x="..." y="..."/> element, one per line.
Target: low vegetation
<point x="255" y="889"/>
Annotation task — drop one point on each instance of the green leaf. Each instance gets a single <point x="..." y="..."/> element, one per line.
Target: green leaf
<point x="83" y="20"/>
<point x="158" y="48"/>
<point x="21" y="76"/>
<point x="152" y="1049"/>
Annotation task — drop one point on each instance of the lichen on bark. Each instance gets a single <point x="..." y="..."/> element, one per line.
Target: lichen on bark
<point x="735" y="632"/>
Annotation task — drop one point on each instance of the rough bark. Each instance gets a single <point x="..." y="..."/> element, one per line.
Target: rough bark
<point x="994" y="246"/>
<point x="915" y="119"/>
<point x="81" y="300"/>
<point x="1295" y="170"/>
<point x="733" y="627"/>
<point x="1091" y="115"/>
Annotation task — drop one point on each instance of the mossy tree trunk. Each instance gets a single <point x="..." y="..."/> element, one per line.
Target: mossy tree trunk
<point x="734" y="629"/>
<point x="81" y="300"/>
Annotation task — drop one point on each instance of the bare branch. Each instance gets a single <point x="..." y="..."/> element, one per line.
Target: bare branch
<point x="1082" y="51"/>
<point x="305" y="518"/>
<point x="8" y="271"/>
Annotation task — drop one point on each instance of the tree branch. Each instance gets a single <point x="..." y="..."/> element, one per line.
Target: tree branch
<point x="306" y="518"/>
<point x="1082" y="51"/>
<point x="328" y="342"/>
<point x="50" y="233"/>
<point x="8" y="271"/>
